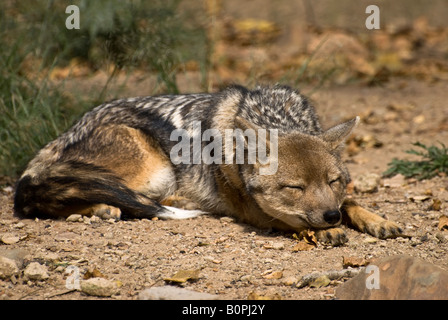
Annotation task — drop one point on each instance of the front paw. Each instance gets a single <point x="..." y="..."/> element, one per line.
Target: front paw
<point x="384" y="229"/>
<point x="333" y="236"/>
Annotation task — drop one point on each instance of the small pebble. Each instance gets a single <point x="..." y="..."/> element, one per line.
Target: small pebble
<point x="99" y="287"/>
<point x="74" y="218"/>
<point x="278" y="246"/>
<point x="290" y="281"/>
<point x="370" y="240"/>
<point x="10" y="239"/>
<point x="367" y="183"/>
<point x="36" y="271"/>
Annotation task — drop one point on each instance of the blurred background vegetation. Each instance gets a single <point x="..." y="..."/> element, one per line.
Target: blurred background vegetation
<point x="51" y="75"/>
<point x="115" y="35"/>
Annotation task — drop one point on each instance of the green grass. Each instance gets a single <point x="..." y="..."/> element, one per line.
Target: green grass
<point x="150" y="35"/>
<point x="31" y="112"/>
<point x="434" y="160"/>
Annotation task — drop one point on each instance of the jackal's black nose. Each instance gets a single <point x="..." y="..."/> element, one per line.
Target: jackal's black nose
<point x="332" y="217"/>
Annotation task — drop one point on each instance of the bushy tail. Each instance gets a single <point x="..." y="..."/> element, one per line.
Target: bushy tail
<point x="71" y="184"/>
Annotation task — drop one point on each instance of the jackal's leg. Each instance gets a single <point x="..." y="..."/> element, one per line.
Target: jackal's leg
<point x="180" y="202"/>
<point x="106" y="212"/>
<point x="102" y="210"/>
<point x="368" y="222"/>
<point x="333" y="236"/>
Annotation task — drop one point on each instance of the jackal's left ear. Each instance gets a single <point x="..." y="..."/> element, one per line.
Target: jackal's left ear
<point x="244" y="124"/>
<point x="336" y="135"/>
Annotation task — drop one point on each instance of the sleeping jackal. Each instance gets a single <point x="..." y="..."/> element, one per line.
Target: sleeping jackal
<point x="124" y="158"/>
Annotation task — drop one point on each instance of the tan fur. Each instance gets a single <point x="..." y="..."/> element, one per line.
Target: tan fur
<point x="133" y="157"/>
<point x="366" y="221"/>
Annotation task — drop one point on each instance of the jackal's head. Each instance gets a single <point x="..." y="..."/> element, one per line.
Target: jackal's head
<point x="309" y="185"/>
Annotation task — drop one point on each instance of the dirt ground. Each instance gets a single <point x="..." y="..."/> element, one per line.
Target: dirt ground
<point x="237" y="261"/>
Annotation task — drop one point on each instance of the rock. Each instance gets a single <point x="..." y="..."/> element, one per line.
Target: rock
<point x="370" y="240"/>
<point x="307" y="279"/>
<point x="99" y="287"/>
<point x="174" y="293"/>
<point x="290" y="281"/>
<point x="47" y="257"/>
<point x="353" y="262"/>
<point x="95" y="219"/>
<point x="397" y="278"/>
<point x="350" y="52"/>
<point x="65" y="236"/>
<point x="249" y="278"/>
<point x="396" y="181"/>
<point x="36" y="271"/>
<point x="278" y="246"/>
<point x="74" y="218"/>
<point x="8" y="268"/>
<point x="273" y="275"/>
<point x="227" y="219"/>
<point x="274" y="245"/>
<point x="19" y="225"/>
<point x="367" y="183"/>
<point x="10" y="239"/>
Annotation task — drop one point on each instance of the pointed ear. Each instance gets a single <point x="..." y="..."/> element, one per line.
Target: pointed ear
<point x="258" y="142"/>
<point x="336" y="135"/>
<point x="243" y="124"/>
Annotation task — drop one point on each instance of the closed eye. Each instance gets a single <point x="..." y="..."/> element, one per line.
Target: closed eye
<point x="297" y="187"/>
<point x="334" y="182"/>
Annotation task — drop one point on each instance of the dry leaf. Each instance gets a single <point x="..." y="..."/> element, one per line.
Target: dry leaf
<point x="307" y="241"/>
<point x="353" y="262"/>
<point x="436" y="205"/>
<point x="76" y="68"/>
<point x="308" y="236"/>
<point x="182" y="276"/>
<point x="95" y="273"/>
<point x="303" y="246"/>
<point x="273" y="275"/>
<point x="251" y="31"/>
<point x="443" y="223"/>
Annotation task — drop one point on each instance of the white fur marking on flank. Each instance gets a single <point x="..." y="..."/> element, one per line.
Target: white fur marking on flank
<point x="178" y="214"/>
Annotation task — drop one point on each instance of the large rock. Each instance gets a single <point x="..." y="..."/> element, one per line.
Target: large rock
<point x="397" y="278"/>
